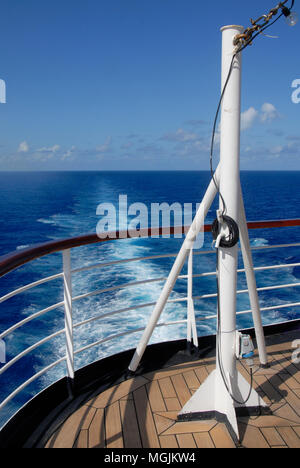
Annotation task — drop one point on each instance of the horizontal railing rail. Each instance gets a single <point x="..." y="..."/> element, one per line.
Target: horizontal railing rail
<point x="14" y="260"/>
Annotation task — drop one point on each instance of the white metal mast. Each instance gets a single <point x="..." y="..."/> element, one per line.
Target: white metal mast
<point x="218" y="396"/>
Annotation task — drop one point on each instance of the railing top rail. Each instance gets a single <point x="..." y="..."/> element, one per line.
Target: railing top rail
<point x="14" y="260"/>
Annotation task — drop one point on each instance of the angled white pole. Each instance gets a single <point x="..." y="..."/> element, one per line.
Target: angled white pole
<point x="219" y="394"/>
<point x="68" y="313"/>
<point x="175" y="271"/>
<point x="191" y="319"/>
<point x="251" y="281"/>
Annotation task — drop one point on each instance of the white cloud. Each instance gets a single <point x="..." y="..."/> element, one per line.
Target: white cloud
<point x="68" y="153"/>
<point x="180" y="135"/>
<point x="248" y="118"/>
<point x="105" y="147"/>
<point x="268" y="112"/>
<point x="51" y="149"/>
<point x="277" y="149"/>
<point x="127" y="145"/>
<point x="23" y="147"/>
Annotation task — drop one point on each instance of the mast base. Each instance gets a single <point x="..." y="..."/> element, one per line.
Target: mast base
<point x="213" y="401"/>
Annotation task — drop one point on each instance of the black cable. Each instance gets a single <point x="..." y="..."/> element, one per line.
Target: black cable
<point x="233" y="236"/>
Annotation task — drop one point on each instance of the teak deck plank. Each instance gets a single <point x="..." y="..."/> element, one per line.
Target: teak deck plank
<point x="297" y="430"/>
<point x="289" y="435"/>
<point x="172" y="404"/>
<point x="131" y="433"/>
<point x="268" y="388"/>
<point x="297" y="392"/>
<point x="272" y="436"/>
<point x="286" y="412"/>
<point x="293" y="378"/>
<point x="117" y="392"/>
<point x="181" y="388"/>
<point x="143" y="411"/>
<point x="156" y="400"/>
<point x="97" y="430"/>
<point x="168" y="442"/>
<point x="167" y="388"/>
<point x="221" y="437"/>
<point x="203" y="440"/>
<point x="266" y="421"/>
<point x="145" y="419"/>
<point x="253" y="437"/>
<point x="186" y="441"/>
<point x="290" y="396"/>
<point x="288" y="355"/>
<point x="162" y="423"/>
<point x="113" y="426"/>
<point x="191" y="380"/>
<point x="201" y="373"/>
<point x="80" y="420"/>
<point x="169" y="372"/>
<point x="82" y="440"/>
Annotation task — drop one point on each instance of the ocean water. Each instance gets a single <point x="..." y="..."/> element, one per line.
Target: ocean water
<point x="38" y="207"/>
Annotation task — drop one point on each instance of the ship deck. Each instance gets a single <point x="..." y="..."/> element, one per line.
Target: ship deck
<point x="142" y="412"/>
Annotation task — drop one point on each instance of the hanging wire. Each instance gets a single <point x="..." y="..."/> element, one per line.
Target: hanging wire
<point x="242" y="41"/>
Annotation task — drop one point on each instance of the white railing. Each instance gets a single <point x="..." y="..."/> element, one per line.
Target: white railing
<point x="190" y="322"/>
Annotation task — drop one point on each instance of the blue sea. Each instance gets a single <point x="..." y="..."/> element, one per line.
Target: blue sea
<point x="39" y="207"/>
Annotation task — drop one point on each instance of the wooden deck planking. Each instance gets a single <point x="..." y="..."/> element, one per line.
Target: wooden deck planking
<point x="221" y="437"/>
<point x="191" y="380"/>
<point x="290" y="436"/>
<point x="167" y="388"/>
<point x="130" y="427"/>
<point x="253" y="437"/>
<point x="186" y="441"/>
<point x="82" y="441"/>
<point x="97" y="430"/>
<point x="203" y="440"/>
<point x="142" y="412"/>
<point x="173" y="404"/>
<point x="145" y="419"/>
<point x="168" y="442"/>
<point x="273" y="437"/>
<point x="155" y="398"/>
<point x="181" y="388"/>
<point x="113" y="426"/>
<point x="80" y="420"/>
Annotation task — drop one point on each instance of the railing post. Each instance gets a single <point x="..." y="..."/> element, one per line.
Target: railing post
<point x="68" y="312"/>
<point x="191" y="320"/>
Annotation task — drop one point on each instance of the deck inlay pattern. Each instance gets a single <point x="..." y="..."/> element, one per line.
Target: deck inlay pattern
<point x="142" y="412"/>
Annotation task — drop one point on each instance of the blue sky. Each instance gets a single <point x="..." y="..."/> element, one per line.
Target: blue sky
<point x="134" y="84"/>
